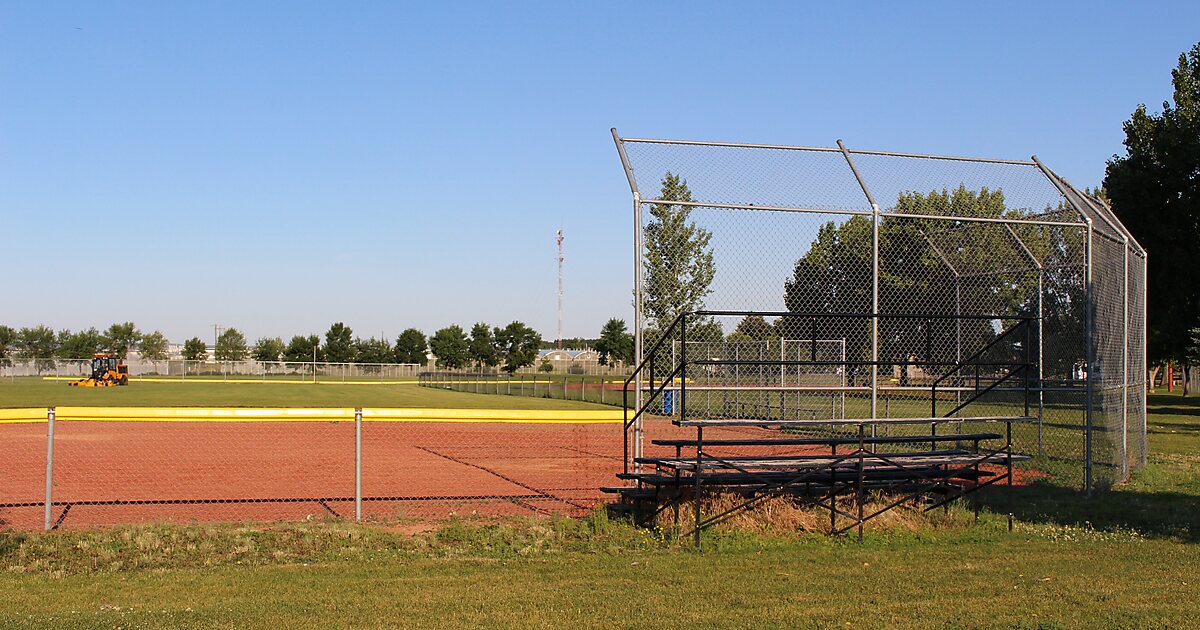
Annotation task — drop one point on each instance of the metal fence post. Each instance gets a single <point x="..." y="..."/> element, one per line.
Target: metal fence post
<point x="874" y="279"/>
<point x="1090" y="353"/>
<point x="49" y="466"/>
<point x="358" y="464"/>
<point x="1125" y="363"/>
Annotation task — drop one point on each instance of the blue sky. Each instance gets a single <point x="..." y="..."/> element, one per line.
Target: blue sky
<point x="280" y="166"/>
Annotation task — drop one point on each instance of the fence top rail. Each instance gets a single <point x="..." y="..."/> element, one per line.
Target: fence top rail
<point x="811" y="315"/>
<point x="882" y="362"/>
<point x="786" y="147"/>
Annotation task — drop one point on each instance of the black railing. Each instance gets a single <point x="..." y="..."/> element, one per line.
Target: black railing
<point x="647" y="363"/>
<point x="679" y="368"/>
<point x="1024" y="368"/>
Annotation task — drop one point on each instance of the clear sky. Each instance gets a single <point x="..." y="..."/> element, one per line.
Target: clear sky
<point x="280" y="166"/>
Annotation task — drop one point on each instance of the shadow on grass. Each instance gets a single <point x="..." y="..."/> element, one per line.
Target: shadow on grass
<point x="1172" y="511"/>
<point x="1174" y="427"/>
<point x="1173" y="404"/>
<point x="1153" y="514"/>
<point x="1177" y="411"/>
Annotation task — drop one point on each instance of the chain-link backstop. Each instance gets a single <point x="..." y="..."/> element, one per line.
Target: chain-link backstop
<point x="932" y="272"/>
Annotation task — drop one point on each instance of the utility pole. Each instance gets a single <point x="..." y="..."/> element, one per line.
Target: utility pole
<point x="559" y="240"/>
<point x="217" y="330"/>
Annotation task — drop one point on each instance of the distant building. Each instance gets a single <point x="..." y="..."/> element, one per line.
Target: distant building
<point x="568" y="355"/>
<point x="573" y="361"/>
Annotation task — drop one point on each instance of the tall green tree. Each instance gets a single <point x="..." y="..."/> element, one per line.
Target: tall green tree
<point x="518" y="345"/>
<point x="153" y="348"/>
<point x="231" y="346"/>
<point x="482" y="348"/>
<point x="834" y="276"/>
<point x="678" y="268"/>
<point x="755" y="328"/>
<point x="372" y="351"/>
<point x="1155" y="191"/>
<point x="195" y="349"/>
<point x="580" y="343"/>
<point x="304" y="349"/>
<point x="450" y="346"/>
<point x="269" y="350"/>
<point x="339" y="344"/>
<point x="8" y="337"/>
<point x="119" y="338"/>
<point x="38" y="343"/>
<point x="411" y="347"/>
<point x="615" y="344"/>
<point x="79" y="345"/>
<point x="1191" y="358"/>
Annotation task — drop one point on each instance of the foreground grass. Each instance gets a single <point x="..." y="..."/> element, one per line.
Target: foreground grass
<point x="1126" y="558"/>
<point x="554" y="575"/>
<point x="30" y="392"/>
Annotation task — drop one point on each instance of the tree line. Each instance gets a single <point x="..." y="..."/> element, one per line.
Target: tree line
<point x="510" y="348"/>
<point x="42" y="342"/>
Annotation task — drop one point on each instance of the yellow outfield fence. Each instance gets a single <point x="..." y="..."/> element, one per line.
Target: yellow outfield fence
<point x="24" y="415"/>
<point x="334" y="381"/>
<point x="283" y="414"/>
<point x="242" y="381"/>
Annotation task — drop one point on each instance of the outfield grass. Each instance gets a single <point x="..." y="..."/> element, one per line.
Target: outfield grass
<point x="1125" y="558"/>
<point x="1038" y="577"/>
<point x="35" y="392"/>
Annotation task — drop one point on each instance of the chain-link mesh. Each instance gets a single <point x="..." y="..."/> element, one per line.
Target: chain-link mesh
<point x="23" y="474"/>
<point x="966" y="293"/>
<point x="128" y="465"/>
<point x="487" y="467"/>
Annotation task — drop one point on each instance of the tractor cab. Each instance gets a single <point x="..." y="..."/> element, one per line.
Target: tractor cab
<point x="101" y="364"/>
<point x="107" y="371"/>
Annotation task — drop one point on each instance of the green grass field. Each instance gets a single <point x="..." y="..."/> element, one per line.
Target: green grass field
<point x="35" y="392"/>
<point x="1124" y="558"/>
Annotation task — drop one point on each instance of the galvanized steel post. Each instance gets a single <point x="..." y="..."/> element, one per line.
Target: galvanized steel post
<point x="874" y="280"/>
<point x="1090" y="353"/>
<point x="50" y="412"/>
<point x="638" y="338"/>
<point x="1125" y="365"/>
<point x="358" y="415"/>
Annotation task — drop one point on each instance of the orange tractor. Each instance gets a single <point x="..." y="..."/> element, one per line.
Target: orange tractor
<point x="107" y="371"/>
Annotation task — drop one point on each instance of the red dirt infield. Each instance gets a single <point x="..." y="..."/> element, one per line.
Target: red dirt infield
<point x="117" y="472"/>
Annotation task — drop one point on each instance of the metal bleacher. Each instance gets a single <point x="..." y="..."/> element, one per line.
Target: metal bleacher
<point x="836" y="463"/>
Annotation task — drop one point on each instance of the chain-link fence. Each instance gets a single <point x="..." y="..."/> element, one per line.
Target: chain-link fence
<point x="559" y="362"/>
<point x="78" y="467"/>
<point x="180" y="369"/>
<point x="935" y="274"/>
<point x="593" y="388"/>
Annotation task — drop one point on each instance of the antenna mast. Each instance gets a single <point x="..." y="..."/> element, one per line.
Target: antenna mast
<point x="559" y="240"/>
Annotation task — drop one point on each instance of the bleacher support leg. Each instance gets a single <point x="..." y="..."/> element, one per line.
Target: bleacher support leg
<point x="678" y="496"/>
<point x="862" y="451"/>
<point x="696" y="477"/>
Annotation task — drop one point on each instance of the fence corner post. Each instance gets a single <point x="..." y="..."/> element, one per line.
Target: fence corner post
<point x="358" y="464"/>
<point x="50" y="412"/>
